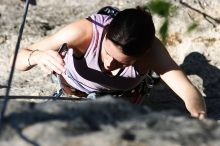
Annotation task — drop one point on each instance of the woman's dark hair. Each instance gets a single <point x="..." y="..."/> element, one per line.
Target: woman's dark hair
<point x="133" y="30"/>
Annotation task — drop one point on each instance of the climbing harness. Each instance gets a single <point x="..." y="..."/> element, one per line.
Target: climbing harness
<point x="136" y="95"/>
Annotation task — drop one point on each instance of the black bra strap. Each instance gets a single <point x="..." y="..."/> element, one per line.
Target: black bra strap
<point x="95" y="22"/>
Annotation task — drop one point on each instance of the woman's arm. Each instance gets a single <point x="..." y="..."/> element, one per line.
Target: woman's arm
<point x="175" y="78"/>
<point x="181" y="85"/>
<point x="44" y="53"/>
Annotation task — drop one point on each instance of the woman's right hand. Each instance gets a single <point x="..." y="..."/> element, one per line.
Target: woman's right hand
<point x="48" y="60"/>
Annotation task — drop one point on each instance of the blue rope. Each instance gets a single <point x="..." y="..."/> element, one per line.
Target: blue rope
<point x="6" y="98"/>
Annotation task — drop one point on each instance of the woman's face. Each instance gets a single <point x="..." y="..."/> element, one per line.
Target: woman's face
<point x="112" y="56"/>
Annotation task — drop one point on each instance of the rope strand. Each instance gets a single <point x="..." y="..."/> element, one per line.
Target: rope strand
<point x="6" y="98"/>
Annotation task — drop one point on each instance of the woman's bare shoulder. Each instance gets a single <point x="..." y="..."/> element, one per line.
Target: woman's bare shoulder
<point x="77" y="34"/>
<point x="157" y="59"/>
<point x="160" y="59"/>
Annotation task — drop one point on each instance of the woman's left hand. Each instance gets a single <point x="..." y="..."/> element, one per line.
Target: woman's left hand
<point x="200" y="115"/>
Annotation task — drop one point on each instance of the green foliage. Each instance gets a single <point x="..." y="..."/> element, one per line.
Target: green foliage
<point x="164" y="30"/>
<point x="164" y="9"/>
<point x="192" y="27"/>
<point x="160" y="7"/>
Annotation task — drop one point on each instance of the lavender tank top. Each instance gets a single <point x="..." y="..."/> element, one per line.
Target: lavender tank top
<point x="85" y="74"/>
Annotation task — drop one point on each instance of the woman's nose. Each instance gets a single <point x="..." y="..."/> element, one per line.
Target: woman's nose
<point x="110" y="61"/>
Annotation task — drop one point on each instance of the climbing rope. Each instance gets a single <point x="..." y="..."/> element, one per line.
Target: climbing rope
<point x="6" y="97"/>
<point x="45" y="98"/>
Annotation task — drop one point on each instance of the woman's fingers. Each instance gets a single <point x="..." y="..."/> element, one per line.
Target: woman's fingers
<point x="55" y="66"/>
<point x="56" y="63"/>
<point x="51" y="61"/>
<point x="200" y="115"/>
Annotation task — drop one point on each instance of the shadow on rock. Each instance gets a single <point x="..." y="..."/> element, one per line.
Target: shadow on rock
<point x="197" y="64"/>
<point x="81" y="117"/>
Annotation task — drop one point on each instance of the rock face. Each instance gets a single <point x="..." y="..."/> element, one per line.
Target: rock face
<point x="104" y="122"/>
<point x="108" y="121"/>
